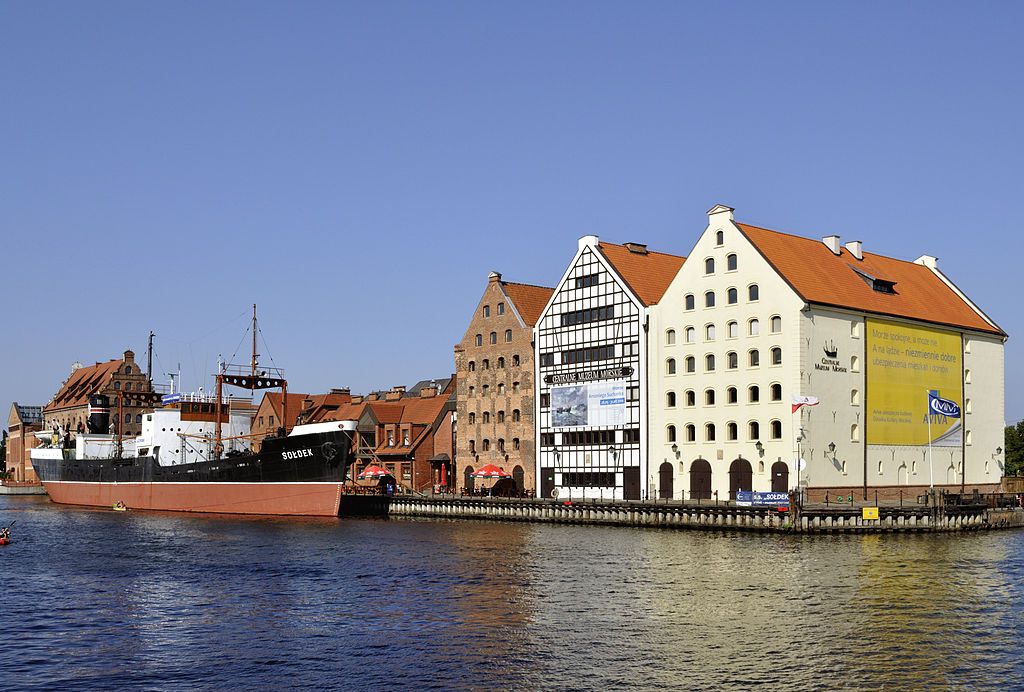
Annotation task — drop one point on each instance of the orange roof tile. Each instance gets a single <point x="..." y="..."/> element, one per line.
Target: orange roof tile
<point x="821" y="277"/>
<point x="294" y="403"/>
<point x="82" y="383"/>
<point x="529" y="300"/>
<point x="648" y="275"/>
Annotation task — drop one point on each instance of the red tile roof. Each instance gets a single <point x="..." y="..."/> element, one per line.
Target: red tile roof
<point x="529" y="300"/>
<point x="294" y="404"/>
<point x="82" y="383"/>
<point x="647" y="274"/>
<point x="823" y="278"/>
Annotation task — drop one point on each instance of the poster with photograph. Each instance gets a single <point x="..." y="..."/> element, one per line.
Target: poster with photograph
<point x="591" y="404"/>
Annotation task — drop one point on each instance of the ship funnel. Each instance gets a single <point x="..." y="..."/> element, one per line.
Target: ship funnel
<point x="99" y="414"/>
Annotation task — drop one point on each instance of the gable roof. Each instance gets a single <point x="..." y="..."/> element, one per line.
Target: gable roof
<point x="648" y="274"/>
<point x="819" y="276"/>
<point x="82" y="383"/>
<point x="295" y="400"/>
<point x="529" y="300"/>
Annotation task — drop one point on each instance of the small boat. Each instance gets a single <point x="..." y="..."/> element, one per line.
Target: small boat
<point x="4" y="541"/>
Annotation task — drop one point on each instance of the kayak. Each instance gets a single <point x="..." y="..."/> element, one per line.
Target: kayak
<point x="120" y="508"/>
<point x="4" y="541"/>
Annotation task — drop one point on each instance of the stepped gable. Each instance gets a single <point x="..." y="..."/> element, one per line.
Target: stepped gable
<point x="820" y="276"/>
<point x="648" y="274"/>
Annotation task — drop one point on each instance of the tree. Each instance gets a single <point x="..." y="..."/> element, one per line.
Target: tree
<point x="1014" y="447"/>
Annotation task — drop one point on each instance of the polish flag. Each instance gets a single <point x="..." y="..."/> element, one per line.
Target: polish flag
<point x="799" y="401"/>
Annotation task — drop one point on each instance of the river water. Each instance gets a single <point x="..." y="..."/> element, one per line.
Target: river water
<point x="132" y="600"/>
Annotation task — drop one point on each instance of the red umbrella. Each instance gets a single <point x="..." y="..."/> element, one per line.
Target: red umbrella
<point x="374" y="471"/>
<point x="491" y="471"/>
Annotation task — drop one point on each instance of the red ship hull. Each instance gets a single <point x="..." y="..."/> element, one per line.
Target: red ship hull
<point x="312" y="499"/>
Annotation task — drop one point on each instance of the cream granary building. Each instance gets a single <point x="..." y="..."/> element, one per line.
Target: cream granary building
<point x="757" y="317"/>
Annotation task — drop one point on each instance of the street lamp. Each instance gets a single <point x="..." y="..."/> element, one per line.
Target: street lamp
<point x="760" y="448"/>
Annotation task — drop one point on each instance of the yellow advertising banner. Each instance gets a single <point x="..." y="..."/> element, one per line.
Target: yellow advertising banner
<point x="904" y="363"/>
<point x="869" y="513"/>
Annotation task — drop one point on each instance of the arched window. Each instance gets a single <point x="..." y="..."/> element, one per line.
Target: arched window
<point x="479" y="339"/>
<point x="690" y="334"/>
<point x="127" y="386"/>
<point x="733" y="330"/>
<point x="691" y="398"/>
<point x="515" y="361"/>
<point x="732" y="296"/>
<point x="731" y="432"/>
<point x="515" y="443"/>
<point x="501" y="416"/>
<point x="753" y="430"/>
<point x="731" y="395"/>
<point x="670" y="337"/>
<point x="753" y="394"/>
<point x="776" y="392"/>
<point x="752" y="292"/>
<point x="730" y="262"/>
<point x="776" y="324"/>
<point x="138" y="418"/>
<point x="127" y="418"/>
<point x="709" y="265"/>
<point x="670" y="433"/>
<point x="855" y="433"/>
<point x="709" y="362"/>
<point x="485" y="364"/>
<point x="670" y="400"/>
<point x="516" y="415"/>
<point x="117" y="385"/>
<point x="719" y="238"/>
<point x="501" y="308"/>
<point x="709" y="432"/>
<point x="855" y="367"/>
<point x="689" y="301"/>
<point x="487" y="311"/>
<point x="494" y="337"/>
<point x="691" y="433"/>
<point x="855" y="398"/>
<point x="501" y="444"/>
<point x="691" y="364"/>
<point x="754" y="358"/>
<point x="732" y="360"/>
<point x="709" y="299"/>
<point x="472" y="417"/>
<point x="754" y="327"/>
<point x="709" y="397"/>
<point x="487" y="445"/>
<point x="486" y="387"/>
<point x="709" y="332"/>
<point x="501" y="388"/>
<point x="776" y="429"/>
<point x="501" y="363"/>
<point x="776" y="356"/>
<point x="508" y="336"/>
<point x="670" y="366"/>
<point x="487" y="416"/>
<point x="472" y="366"/>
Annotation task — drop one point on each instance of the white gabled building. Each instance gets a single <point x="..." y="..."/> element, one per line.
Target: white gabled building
<point x="591" y="344"/>
<point x="757" y="317"/>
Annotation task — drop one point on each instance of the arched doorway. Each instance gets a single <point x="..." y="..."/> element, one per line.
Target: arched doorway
<point x="665" y="481"/>
<point x="780" y="477"/>
<point x="741" y="477"/>
<point x="518" y="475"/>
<point x="700" y="480"/>
<point x="468" y="479"/>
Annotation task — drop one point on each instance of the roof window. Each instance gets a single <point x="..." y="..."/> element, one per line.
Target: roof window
<point x="877" y="283"/>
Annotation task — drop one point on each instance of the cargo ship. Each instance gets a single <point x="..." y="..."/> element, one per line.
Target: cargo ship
<point x="195" y="453"/>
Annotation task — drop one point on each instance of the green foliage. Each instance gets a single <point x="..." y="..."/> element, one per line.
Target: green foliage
<point x="1014" y="447"/>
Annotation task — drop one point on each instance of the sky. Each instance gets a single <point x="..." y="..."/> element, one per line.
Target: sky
<point x="357" y="169"/>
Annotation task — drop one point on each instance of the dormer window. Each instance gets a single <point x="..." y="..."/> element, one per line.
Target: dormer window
<point x="877" y="283"/>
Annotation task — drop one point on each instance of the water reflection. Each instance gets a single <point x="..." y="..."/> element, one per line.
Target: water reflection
<point x="171" y="601"/>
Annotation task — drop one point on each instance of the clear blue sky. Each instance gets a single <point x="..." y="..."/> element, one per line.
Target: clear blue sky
<point x="357" y="169"/>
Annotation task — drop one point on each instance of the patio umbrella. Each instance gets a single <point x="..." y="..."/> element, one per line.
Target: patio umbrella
<point x="490" y="471"/>
<point x="374" y="471"/>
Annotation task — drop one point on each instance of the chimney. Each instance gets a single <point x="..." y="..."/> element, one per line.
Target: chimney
<point x="372" y="396"/>
<point x="928" y="261"/>
<point x="428" y="392"/>
<point x="358" y="399"/>
<point x="832" y="243"/>
<point x="720" y="209"/>
<point x="588" y="240"/>
<point x="307" y="403"/>
<point x="340" y="390"/>
<point x="494" y="277"/>
<point x="395" y="394"/>
<point x="637" y="248"/>
<point x="856" y="249"/>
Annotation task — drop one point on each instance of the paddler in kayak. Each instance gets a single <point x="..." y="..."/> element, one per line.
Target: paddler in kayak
<point x="5" y="535"/>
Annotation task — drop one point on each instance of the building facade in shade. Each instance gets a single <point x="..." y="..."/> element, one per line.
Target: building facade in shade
<point x="121" y="379"/>
<point x="495" y="400"/>
<point x="22" y="424"/>
<point x="758" y="318"/>
<point x="592" y="371"/>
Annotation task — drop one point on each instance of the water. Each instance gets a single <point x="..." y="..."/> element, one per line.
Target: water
<point x="101" y="599"/>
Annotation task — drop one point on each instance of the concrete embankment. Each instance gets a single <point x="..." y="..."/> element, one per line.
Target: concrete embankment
<point x="17" y="488"/>
<point x="814" y="519"/>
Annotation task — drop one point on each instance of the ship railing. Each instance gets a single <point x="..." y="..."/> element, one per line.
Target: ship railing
<point x="242" y="370"/>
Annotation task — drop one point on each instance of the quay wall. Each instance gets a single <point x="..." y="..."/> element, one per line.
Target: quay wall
<point x="816" y="519"/>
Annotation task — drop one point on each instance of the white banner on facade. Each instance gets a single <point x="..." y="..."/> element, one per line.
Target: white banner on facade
<point x="594" y="403"/>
